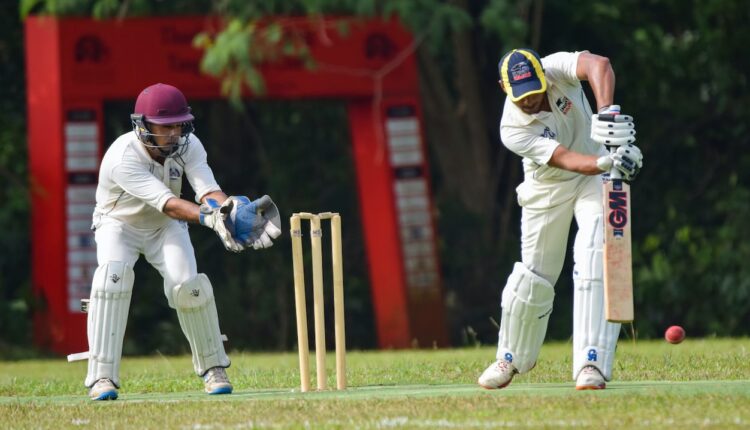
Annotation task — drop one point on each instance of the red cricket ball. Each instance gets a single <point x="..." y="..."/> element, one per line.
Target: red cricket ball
<point x="674" y="334"/>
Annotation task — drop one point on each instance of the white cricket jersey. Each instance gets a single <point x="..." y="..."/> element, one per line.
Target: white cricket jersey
<point x="134" y="188"/>
<point x="535" y="137"/>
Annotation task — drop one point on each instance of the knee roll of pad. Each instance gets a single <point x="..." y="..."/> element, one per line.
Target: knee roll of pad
<point x="196" y="310"/>
<point x="526" y="306"/>
<point x="108" y="309"/>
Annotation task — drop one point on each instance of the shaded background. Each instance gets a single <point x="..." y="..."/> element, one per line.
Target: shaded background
<point x="681" y="72"/>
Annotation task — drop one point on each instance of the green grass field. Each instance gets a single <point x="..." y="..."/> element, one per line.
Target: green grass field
<point x="697" y="384"/>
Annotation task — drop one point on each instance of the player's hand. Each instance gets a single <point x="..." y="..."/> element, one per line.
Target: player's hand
<point x="255" y="223"/>
<point x="627" y="159"/>
<point x="609" y="127"/>
<point x="215" y="217"/>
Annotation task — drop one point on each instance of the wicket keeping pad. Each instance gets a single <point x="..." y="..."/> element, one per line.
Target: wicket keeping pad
<point x="196" y="310"/>
<point x="108" y="309"/>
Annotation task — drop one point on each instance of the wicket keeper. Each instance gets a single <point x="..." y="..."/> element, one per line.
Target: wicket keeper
<point x="139" y="211"/>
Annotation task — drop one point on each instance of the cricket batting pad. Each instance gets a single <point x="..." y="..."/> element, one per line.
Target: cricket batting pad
<point x="108" y="308"/>
<point x="527" y="305"/>
<point x="196" y="310"/>
<point x="594" y="339"/>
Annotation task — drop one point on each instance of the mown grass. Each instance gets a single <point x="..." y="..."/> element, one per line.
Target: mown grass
<point x="697" y="384"/>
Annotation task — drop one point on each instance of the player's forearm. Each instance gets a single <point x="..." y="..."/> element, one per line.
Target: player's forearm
<point x="182" y="210"/>
<point x="565" y="159"/>
<point x="188" y="211"/>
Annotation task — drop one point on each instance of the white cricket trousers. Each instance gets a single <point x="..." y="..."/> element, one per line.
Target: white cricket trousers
<point x="167" y="249"/>
<point x="544" y="232"/>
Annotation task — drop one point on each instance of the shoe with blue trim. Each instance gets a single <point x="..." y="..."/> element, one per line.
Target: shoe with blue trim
<point x="217" y="381"/>
<point x="103" y="389"/>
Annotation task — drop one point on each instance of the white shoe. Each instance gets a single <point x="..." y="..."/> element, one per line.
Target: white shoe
<point x="498" y="375"/>
<point x="217" y="381"/>
<point x="590" y="378"/>
<point x="103" y="389"/>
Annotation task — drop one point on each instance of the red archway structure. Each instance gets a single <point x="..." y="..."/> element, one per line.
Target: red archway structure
<point x="74" y="65"/>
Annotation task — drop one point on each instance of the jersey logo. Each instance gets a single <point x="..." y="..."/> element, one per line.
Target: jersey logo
<point x="564" y="104"/>
<point x="549" y="134"/>
<point x="174" y="173"/>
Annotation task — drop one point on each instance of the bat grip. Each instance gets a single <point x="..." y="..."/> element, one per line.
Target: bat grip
<point x="614" y="173"/>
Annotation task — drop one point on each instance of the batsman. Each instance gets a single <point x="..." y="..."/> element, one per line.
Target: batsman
<point x="139" y="211"/>
<point x="548" y="121"/>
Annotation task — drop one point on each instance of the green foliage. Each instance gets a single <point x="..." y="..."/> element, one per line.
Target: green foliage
<point x="235" y="53"/>
<point x="15" y="282"/>
<point x="682" y="78"/>
<point x="432" y="20"/>
<point x="501" y="20"/>
<point x="27" y="6"/>
<point x="102" y="9"/>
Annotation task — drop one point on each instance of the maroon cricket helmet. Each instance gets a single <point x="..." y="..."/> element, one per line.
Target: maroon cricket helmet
<point x="163" y="104"/>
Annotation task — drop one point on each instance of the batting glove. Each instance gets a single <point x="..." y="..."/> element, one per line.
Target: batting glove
<point x="627" y="159"/>
<point x="611" y="128"/>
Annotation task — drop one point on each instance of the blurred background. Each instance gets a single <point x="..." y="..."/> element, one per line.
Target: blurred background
<point x="682" y="72"/>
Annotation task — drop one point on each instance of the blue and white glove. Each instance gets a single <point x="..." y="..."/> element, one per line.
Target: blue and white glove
<point x="215" y="216"/>
<point x="254" y="223"/>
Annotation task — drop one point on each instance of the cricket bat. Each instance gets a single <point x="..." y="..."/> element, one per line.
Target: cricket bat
<point x="618" y="259"/>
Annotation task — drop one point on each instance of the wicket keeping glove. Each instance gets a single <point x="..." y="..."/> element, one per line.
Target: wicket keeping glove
<point x="254" y="223"/>
<point x="214" y="215"/>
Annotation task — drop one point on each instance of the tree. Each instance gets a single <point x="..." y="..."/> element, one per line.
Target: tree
<point x="14" y="189"/>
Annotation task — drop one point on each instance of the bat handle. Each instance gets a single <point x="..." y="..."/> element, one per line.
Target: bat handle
<point x="614" y="173"/>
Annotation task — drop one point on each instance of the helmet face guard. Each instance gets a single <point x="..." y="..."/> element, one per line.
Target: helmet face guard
<point x="146" y="136"/>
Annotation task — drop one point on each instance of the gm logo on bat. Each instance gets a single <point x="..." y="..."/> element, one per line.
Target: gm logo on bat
<point x="618" y="205"/>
